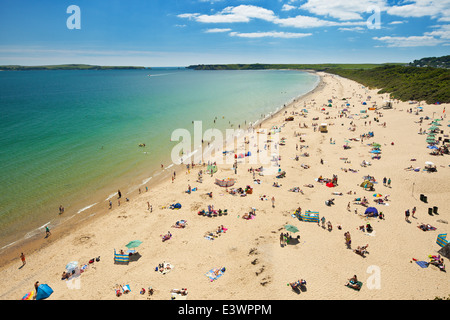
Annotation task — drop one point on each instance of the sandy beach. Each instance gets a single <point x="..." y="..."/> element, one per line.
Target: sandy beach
<point x="256" y="265"/>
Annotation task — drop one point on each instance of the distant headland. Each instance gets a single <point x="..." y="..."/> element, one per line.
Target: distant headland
<point x="67" y="67"/>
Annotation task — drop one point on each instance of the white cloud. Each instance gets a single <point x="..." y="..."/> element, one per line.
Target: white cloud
<point x="217" y="30"/>
<point x="411" y="41"/>
<point x="313" y="22"/>
<point x="396" y="22"/>
<point x="287" y="7"/>
<point x="442" y="32"/>
<point x="436" y="9"/>
<point x="271" y="34"/>
<point x="242" y="13"/>
<point x="189" y="16"/>
<point x="356" y="29"/>
<point x="343" y="9"/>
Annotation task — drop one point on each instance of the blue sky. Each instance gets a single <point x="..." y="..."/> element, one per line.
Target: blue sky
<point x="157" y="33"/>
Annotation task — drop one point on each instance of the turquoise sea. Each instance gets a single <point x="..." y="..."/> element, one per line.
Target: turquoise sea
<point x="72" y="138"/>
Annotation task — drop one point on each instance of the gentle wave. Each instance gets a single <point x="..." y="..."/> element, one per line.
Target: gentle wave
<point x="85" y="208"/>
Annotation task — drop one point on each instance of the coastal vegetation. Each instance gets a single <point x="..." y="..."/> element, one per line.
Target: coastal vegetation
<point x="262" y="66"/>
<point x="434" y="62"/>
<point x="404" y="83"/>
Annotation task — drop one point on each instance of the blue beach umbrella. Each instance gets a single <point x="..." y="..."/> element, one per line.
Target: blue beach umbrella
<point x="43" y="292"/>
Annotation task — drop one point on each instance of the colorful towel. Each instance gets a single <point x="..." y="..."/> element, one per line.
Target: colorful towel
<point x="215" y="273"/>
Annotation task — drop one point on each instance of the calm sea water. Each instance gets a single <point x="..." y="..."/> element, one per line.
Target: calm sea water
<point x="68" y="137"/>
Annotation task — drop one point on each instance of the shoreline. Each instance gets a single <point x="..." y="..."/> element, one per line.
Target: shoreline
<point x="88" y="213"/>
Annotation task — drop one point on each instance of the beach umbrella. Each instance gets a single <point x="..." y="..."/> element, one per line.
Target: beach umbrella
<point x="291" y="228"/>
<point x="43" y="292"/>
<point x="429" y="163"/>
<point x="28" y="296"/>
<point x="377" y="195"/>
<point x="71" y="266"/>
<point x="133" y="244"/>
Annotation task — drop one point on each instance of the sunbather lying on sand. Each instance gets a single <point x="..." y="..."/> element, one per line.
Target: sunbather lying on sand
<point x="438" y="262"/>
<point x="353" y="283"/>
<point x="297" y="284"/>
<point x="183" y="291"/>
<point x="180" y="224"/>
<point x="248" y="216"/>
<point x="426" y="227"/>
<point x="361" y="250"/>
<point x="166" y="236"/>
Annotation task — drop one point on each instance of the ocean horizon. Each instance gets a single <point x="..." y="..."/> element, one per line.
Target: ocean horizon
<point x="71" y="137"/>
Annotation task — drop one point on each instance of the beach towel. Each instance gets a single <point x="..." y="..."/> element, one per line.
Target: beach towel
<point x="215" y="273"/>
<point x="422" y="264"/>
<point x="126" y="288"/>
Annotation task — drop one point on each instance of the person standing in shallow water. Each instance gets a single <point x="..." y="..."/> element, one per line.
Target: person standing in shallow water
<point x="119" y="193"/>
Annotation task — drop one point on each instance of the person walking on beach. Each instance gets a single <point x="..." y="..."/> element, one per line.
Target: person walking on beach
<point x="389" y="182"/>
<point x="47" y="231"/>
<point x="281" y="239"/>
<point x="384" y="181"/>
<point x="119" y="193"/>
<point x="413" y="212"/>
<point x="110" y="204"/>
<point x="273" y="202"/>
<point x="22" y="257"/>
<point x="407" y="215"/>
<point x="348" y="240"/>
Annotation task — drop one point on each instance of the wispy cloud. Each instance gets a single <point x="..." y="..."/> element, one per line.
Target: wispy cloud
<point x="436" y="9"/>
<point x="217" y="30"/>
<point x="246" y="13"/>
<point x="288" y="7"/>
<point x="354" y="29"/>
<point x="271" y="34"/>
<point x="411" y="41"/>
<point x="397" y="22"/>
<point x="342" y="9"/>
<point x="242" y="13"/>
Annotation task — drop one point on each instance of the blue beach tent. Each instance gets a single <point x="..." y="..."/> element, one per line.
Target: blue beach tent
<point x="43" y="292"/>
<point x="371" y="210"/>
